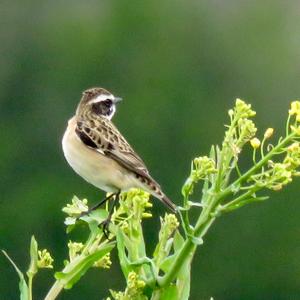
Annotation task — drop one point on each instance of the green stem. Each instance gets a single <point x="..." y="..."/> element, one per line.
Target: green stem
<point x="55" y="290"/>
<point x="186" y="219"/>
<point x="239" y="199"/>
<point x="90" y="242"/>
<point x="287" y="126"/>
<point x="188" y="249"/>
<point x="30" y="279"/>
<point x="207" y="216"/>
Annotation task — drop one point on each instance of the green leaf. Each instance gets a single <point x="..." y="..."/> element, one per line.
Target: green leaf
<point x="234" y="206"/>
<point x="75" y="270"/>
<point x="184" y="280"/>
<point x="124" y="262"/>
<point x="70" y="228"/>
<point x="212" y="153"/>
<point x="95" y="216"/>
<point x="169" y="293"/>
<point x="178" y="241"/>
<point x="22" y="283"/>
<point x="33" y="268"/>
<point x="218" y="155"/>
<point x="167" y="262"/>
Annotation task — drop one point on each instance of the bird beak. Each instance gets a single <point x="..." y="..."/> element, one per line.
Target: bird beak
<point x="117" y="100"/>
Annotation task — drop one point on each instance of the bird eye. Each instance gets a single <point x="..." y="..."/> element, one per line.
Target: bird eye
<point x="107" y="103"/>
<point x="103" y="107"/>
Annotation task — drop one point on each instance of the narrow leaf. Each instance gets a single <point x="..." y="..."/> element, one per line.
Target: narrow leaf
<point x="22" y="283"/>
<point x="124" y="262"/>
<point x="178" y="241"/>
<point x="167" y="263"/>
<point x="70" y="276"/>
<point x="32" y="270"/>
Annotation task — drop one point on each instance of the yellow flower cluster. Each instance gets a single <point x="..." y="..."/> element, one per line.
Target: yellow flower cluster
<point x="44" y="259"/>
<point x="134" y="289"/>
<point x="134" y="282"/>
<point x="171" y="222"/>
<point x="275" y="178"/>
<point x="74" y="249"/>
<point x="134" y="203"/>
<point x="241" y="129"/>
<point x="247" y="130"/>
<point x="201" y="167"/>
<point x="104" y="262"/>
<point x="76" y="208"/>
<point x="292" y="159"/>
<point x="295" y="110"/>
<point x="255" y="142"/>
<point x="243" y="110"/>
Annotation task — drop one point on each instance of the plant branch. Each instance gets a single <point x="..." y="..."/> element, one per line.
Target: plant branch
<point x="256" y="167"/>
<point x="207" y="216"/>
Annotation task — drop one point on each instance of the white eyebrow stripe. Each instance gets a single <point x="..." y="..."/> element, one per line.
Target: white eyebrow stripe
<point x="102" y="98"/>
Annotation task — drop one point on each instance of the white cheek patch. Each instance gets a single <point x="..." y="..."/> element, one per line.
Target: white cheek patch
<point x="102" y="98"/>
<point x="112" y="113"/>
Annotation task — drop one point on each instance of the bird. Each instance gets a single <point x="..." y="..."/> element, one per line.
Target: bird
<point x="99" y="153"/>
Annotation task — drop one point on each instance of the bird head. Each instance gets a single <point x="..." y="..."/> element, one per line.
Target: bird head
<point x="98" y="101"/>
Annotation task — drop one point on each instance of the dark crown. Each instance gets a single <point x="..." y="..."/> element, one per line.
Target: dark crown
<point x="92" y="93"/>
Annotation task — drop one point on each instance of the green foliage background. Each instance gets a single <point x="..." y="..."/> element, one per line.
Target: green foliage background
<point x="179" y="65"/>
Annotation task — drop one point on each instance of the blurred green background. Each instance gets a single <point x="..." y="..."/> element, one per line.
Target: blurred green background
<point x="179" y="65"/>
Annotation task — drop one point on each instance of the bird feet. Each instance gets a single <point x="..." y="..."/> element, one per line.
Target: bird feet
<point x="105" y="227"/>
<point x="104" y="224"/>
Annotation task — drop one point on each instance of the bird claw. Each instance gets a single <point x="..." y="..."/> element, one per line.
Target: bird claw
<point x="105" y="227"/>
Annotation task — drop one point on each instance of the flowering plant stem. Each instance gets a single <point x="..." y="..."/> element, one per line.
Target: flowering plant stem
<point x="166" y="274"/>
<point x="210" y="212"/>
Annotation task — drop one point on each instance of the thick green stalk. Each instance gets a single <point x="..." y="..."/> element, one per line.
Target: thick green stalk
<point x="187" y="251"/>
<point x="55" y="290"/>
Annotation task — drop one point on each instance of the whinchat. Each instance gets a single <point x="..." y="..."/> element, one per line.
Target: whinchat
<point x="99" y="153"/>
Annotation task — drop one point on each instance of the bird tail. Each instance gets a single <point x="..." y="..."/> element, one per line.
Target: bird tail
<point x="155" y="190"/>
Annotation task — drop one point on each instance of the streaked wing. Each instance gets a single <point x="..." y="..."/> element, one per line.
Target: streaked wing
<point x="104" y="137"/>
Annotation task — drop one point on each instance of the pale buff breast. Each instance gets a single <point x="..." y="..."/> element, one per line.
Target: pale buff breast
<point x="93" y="166"/>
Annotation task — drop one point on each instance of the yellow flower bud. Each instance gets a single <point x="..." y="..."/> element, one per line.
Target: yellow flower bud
<point x="295" y="108"/>
<point x="255" y="143"/>
<point x="293" y="147"/>
<point x="277" y="187"/>
<point x="269" y="132"/>
<point x="146" y="215"/>
<point x="141" y="284"/>
<point x="295" y="129"/>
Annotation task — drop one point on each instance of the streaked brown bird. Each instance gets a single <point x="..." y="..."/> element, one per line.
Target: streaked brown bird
<point x="99" y="153"/>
